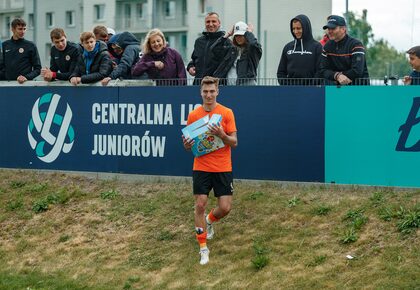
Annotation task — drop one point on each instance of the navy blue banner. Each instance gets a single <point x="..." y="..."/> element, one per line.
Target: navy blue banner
<point x="138" y="130"/>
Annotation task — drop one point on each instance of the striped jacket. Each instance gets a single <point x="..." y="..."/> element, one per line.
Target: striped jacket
<point x="346" y="56"/>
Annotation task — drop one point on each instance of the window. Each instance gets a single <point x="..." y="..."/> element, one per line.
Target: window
<point x="202" y="7"/>
<point x="99" y="11"/>
<point x="70" y="21"/>
<point x="50" y="19"/>
<point x="141" y="10"/>
<point x="169" y="9"/>
<point x="31" y="20"/>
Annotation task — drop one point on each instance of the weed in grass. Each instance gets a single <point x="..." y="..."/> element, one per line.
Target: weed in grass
<point x="293" y="202"/>
<point x="349" y="236"/>
<point x="322" y="210"/>
<point x="22" y="245"/>
<point x="386" y="213"/>
<point x="64" y="238"/>
<point x="149" y="262"/>
<point x="13" y="205"/>
<point x="260" y="259"/>
<point x="40" y="205"/>
<point x="165" y="236"/>
<point x="110" y="194"/>
<point x="410" y="221"/>
<point x="17" y="184"/>
<point x="377" y="198"/>
<point x="255" y="195"/>
<point x="356" y="218"/>
<point x="318" y="260"/>
<point x="38" y="187"/>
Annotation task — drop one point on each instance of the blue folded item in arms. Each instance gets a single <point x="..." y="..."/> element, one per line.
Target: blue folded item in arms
<point x="204" y="142"/>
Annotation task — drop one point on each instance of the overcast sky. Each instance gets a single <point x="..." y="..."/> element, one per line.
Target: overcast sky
<point x="393" y="20"/>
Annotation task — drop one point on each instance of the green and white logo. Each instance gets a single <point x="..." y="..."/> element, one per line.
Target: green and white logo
<point x="54" y="130"/>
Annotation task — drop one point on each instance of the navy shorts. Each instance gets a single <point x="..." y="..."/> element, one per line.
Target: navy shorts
<point x="220" y="182"/>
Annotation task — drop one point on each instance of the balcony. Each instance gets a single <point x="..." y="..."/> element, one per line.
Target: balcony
<point x="177" y="22"/>
<point x="7" y="6"/>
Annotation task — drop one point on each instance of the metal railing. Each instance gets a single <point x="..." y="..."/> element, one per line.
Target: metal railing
<point x="223" y="82"/>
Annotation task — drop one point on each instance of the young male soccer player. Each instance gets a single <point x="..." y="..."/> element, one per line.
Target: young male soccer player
<point x="213" y="170"/>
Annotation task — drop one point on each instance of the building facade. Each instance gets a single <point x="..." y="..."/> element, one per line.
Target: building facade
<point x="182" y="21"/>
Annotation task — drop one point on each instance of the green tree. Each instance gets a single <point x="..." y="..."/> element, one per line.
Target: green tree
<point x="382" y="58"/>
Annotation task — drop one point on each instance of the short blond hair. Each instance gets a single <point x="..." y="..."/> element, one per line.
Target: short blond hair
<point x="146" y="45"/>
<point x="207" y="80"/>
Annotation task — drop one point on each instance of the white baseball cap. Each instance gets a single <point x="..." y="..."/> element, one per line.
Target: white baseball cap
<point x="110" y="31"/>
<point x="240" y="28"/>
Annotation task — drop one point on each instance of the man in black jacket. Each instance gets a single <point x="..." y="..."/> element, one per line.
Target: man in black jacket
<point x="204" y="61"/>
<point x="64" y="56"/>
<point x="343" y="57"/>
<point x="20" y="60"/>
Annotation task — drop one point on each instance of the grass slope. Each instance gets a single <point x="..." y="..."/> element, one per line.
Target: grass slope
<point x="63" y="231"/>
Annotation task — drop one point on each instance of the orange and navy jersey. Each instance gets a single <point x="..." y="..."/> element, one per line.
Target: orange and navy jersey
<point x="219" y="160"/>
<point x="346" y="56"/>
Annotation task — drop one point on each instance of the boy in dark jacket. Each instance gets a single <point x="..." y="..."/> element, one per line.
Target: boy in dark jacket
<point x="301" y="57"/>
<point x="125" y="48"/>
<point x="64" y="57"/>
<point x="414" y="59"/>
<point x="20" y="60"/>
<point x="94" y="63"/>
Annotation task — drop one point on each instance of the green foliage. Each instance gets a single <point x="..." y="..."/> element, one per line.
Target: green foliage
<point x="382" y="59"/>
<point x="260" y="259"/>
<point x="356" y="218"/>
<point x="110" y="194"/>
<point x="386" y="213"/>
<point x="318" y="260"/>
<point x="13" y="205"/>
<point x="377" y="198"/>
<point x="322" y="210"/>
<point x="293" y="202"/>
<point x="256" y="195"/>
<point x="410" y="220"/>
<point x="349" y="236"/>
<point x="165" y="236"/>
<point x="64" y="238"/>
<point x="17" y="184"/>
<point x="359" y="28"/>
<point x="40" y="205"/>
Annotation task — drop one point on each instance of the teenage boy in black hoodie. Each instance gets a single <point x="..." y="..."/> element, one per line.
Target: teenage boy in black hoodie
<point x="300" y="58"/>
<point x="20" y="59"/>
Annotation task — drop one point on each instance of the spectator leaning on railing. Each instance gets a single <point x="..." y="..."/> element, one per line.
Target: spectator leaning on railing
<point x="241" y="60"/>
<point x="343" y="57"/>
<point x="94" y="64"/>
<point x="414" y="60"/>
<point x="301" y="57"/>
<point x="20" y="60"/>
<point x="64" y="56"/>
<point x="125" y="48"/>
<point x="160" y="62"/>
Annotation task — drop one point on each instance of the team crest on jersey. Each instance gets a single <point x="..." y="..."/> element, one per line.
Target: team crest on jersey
<point x="21" y="50"/>
<point x="67" y="57"/>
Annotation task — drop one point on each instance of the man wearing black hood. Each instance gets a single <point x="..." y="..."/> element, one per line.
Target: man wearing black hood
<point x="125" y="48"/>
<point x="301" y="57"/>
<point x="204" y="61"/>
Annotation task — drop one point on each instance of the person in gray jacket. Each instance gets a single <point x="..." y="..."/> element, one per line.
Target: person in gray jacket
<point x="125" y="49"/>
